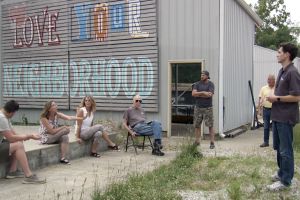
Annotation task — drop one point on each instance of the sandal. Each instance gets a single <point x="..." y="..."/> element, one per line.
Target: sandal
<point x="64" y="161"/>
<point x="113" y="147"/>
<point x="96" y="155"/>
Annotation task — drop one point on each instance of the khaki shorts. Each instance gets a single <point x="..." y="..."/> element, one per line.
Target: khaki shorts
<point x="205" y="114"/>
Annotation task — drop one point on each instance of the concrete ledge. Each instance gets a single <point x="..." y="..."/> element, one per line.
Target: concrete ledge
<point x="42" y="155"/>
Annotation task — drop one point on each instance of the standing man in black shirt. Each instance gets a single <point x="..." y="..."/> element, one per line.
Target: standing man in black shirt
<point x="285" y="114"/>
<point x="203" y="91"/>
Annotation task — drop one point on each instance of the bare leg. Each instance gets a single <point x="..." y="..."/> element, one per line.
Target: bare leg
<point x="64" y="149"/>
<point x="18" y="154"/>
<point x="198" y="135"/>
<point x="106" y="138"/>
<point x="63" y="138"/>
<point x="94" y="147"/>
<point x="212" y="134"/>
<point x="13" y="163"/>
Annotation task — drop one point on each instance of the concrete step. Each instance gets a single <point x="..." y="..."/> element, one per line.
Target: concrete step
<point x="42" y="155"/>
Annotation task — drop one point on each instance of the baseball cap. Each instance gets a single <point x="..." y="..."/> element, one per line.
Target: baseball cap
<point x="206" y="73"/>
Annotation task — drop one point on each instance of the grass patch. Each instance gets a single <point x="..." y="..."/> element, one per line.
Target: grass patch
<point x="234" y="190"/>
<point x="235" y="177"/>
<point x="161" y="183"/>
<point x="297" y="137"/>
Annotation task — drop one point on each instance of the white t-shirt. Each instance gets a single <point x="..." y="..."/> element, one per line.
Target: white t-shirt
<point x="5" y="125"/>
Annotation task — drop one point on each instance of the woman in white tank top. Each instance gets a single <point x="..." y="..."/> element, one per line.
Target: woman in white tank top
<point x="85" y="129"/>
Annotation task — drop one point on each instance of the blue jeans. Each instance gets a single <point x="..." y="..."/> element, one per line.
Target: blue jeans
<point x="266" y="118"/>
<point x="150" y="128"/>
<point x="283" y="144"/>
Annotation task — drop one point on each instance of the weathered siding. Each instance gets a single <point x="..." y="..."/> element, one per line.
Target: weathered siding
<point x="188" y="30"/>
<point x="114" y="65"/>
<point x="64" y="50"/>
<point x="238" y="65"/>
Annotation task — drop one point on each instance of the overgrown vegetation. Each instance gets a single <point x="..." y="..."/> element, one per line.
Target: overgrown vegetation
<point x="160" y="184"/>
<point x="235" y="177"/>
<point x="297" y="137"/>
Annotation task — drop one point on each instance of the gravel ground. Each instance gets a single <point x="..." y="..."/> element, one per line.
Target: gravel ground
<point x="246" y="144"/>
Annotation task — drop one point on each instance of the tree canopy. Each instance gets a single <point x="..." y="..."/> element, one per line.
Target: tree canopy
<point x="277" y="26"/>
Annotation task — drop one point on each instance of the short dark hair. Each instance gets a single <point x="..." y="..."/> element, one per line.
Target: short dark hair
<point x="11" y="106"/>
<point x="290" y="48"/>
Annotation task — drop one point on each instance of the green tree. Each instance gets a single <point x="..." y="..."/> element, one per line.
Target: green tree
<point x="277" y="26"/>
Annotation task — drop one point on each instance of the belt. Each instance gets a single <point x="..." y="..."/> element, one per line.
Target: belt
<point x="267" y="108"/>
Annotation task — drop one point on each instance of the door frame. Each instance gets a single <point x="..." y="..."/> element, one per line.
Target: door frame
<point x="169" y="98"/>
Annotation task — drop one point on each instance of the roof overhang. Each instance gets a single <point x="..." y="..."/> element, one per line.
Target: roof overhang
<point x="258" y="21"/>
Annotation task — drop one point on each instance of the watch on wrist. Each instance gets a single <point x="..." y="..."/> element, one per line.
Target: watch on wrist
<point x="278" y="98"/>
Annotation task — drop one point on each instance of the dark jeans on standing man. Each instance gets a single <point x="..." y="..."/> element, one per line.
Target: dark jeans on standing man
<point x="283" y="144"/>
<point x="267" y="124"/>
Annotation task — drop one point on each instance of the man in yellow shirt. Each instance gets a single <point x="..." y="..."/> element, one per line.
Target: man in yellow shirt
<point x="265" y="106"/>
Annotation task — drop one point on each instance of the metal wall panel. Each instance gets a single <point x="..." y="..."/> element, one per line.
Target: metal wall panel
<point x="1" y="100"/>
<point x="67" y="49"/>
<point x="33" y="55"/>
<point x="265" y="63"/>
<point x="188" y="30"/>
<point x="238" y="64"/>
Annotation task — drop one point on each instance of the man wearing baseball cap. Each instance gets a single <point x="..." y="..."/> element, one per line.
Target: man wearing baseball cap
<point x="203" y="91"/>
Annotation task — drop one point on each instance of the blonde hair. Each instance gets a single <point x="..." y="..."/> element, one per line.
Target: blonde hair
<point x="45" y="111"/>
<point x="93" y="103"/>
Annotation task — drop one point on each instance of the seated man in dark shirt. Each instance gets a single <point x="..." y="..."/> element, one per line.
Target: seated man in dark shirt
<point x="135" y="123"/>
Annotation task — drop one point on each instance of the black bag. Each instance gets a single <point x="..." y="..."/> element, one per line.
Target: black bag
<point x="4" y="151"/>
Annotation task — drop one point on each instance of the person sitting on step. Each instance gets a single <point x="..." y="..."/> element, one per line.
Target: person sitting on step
<point x="51" y="132"/>
<point x="85" y="129"/>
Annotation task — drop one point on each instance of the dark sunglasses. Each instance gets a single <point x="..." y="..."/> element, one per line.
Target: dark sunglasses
<point x="138" y="101"/>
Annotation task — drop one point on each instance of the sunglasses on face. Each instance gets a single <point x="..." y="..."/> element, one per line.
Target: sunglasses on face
<point x="138" y="101"/>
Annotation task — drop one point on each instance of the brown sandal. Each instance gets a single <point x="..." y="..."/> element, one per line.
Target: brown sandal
<point x="113" y="147"/>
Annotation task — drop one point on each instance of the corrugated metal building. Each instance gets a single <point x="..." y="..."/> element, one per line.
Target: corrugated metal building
<point x="265" y="63"/>
<point x="113" y="49"/>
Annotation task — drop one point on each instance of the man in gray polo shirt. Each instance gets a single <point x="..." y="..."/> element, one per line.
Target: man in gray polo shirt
<point x="135" y="122"/>
<point x="285" y="114"/>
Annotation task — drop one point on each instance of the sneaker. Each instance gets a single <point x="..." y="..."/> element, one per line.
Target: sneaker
<point x="264" y="145"/>
<point x="157" y="152"/>
<point x="15" y="174"/>
<point x="277" y="186"/>
<point x="212" y="145"/>
<point x="222" y="135"/>
<point x="33" y="179"/>
<point x="275" y="178"/>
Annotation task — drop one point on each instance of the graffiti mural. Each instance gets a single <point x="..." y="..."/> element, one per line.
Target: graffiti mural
<point x="70" y="49"/>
